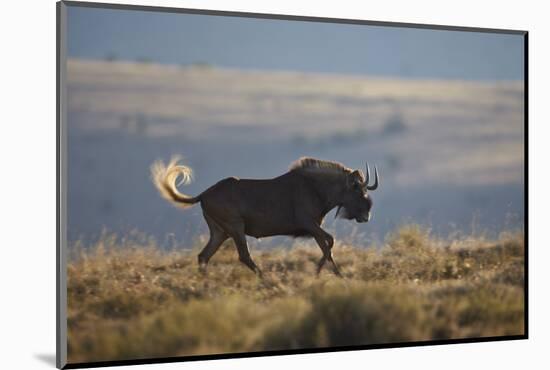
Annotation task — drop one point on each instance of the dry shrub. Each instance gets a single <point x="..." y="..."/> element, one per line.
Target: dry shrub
<point x="350" y="314"/>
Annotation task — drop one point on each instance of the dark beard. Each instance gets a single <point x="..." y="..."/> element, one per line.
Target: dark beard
<point x="343" y="213"/>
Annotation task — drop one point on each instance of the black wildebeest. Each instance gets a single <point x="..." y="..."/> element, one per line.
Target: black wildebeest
<point x="293" y="204"/>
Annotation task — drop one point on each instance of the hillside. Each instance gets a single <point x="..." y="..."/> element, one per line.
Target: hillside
<point x="450" y="153"/>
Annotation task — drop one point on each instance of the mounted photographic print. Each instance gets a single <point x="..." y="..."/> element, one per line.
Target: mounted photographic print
<point x="234" y="184"/>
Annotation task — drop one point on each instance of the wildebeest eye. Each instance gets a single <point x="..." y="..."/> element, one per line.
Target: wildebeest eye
<point x="357" y="187"/>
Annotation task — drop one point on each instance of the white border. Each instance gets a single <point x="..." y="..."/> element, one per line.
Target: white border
<point x="28" y="182"/>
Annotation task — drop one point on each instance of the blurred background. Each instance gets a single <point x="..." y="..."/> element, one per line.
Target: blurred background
<point x="441" y="113"/>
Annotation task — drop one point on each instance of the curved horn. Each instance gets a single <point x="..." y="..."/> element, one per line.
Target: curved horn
<point x="376" y="180"/>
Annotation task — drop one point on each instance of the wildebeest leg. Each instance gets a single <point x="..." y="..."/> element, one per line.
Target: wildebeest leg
<point x="244" y="253"/>
<point x="335" y="267"/>
<point x="325" y="241"/>
<point x="321" y="263"/>
<point x="217" y="237"/>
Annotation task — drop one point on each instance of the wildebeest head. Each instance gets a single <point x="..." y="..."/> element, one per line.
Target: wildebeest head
<point x="356" y="201"/>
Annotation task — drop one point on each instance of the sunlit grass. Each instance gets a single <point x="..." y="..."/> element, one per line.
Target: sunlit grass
<point x="128" y="299"/>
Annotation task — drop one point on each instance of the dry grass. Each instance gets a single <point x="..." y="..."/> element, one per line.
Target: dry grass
<point x="127" y="299"/>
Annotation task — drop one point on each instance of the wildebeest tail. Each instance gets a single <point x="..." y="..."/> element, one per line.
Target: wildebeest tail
<point x="165" y="176"/>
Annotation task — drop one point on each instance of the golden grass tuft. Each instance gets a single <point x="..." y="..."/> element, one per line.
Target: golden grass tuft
<point x="127" y="299"/>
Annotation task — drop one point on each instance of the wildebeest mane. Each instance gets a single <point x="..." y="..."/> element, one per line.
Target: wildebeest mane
<point x="313" y="165"/>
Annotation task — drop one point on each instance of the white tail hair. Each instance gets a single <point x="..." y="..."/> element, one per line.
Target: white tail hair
<point x="165" y="176"/>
